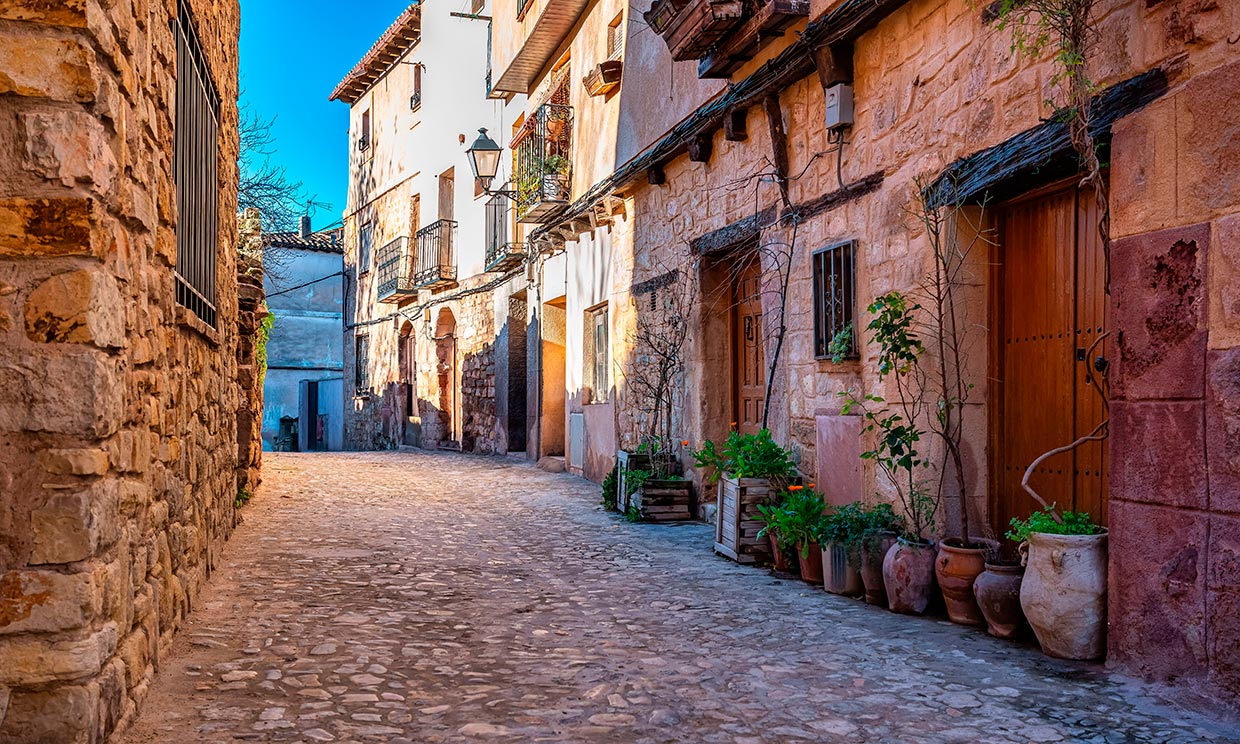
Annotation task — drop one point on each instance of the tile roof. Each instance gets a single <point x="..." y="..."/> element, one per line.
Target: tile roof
<point x="395" y="41"/>
<point x="326" y="241"/>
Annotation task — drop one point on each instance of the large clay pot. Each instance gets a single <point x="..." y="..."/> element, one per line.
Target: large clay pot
<point x="1064" y="594"/>
<point x="956" y="569"/>
<point x="998" y="595"/>
<point x="811" y="566"/>
<point x="908" y="571"/>
<point x="873" y="551"/>
<point x="840" y="576"/>
<point x="785" y="560"/>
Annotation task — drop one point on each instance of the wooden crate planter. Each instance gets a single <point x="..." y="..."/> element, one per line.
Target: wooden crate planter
<point x="664" y="500"/>
<point x="626" y="461"/>
<point x="737" y="521"/>
<point x="604" y="78"/>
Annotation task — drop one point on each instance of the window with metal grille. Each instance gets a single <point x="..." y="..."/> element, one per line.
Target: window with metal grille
<point x="597" y="354"/>
<point x="365" y="245"/>
<point x="415" y="100"/>
<point x="195" y="168"/>
<point x="834" y="298"/>
<point x="615" y="37"/>
<point x="361" y="364"/>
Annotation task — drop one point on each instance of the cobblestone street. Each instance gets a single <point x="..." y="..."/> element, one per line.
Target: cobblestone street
<point x="413" y="597"/>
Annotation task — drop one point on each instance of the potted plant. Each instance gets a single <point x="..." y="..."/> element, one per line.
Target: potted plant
<point x="880" y="526"/>
<point x="839" y="535"/>
<point x="1064" y="592"/>
<point x="656" y="491"/>
<point x="795" y="524"/>
<point x="555" y="178"/>
<point x="751" y="470"/>
<point x="997" y="590"/>
<point x="777" y="530"/>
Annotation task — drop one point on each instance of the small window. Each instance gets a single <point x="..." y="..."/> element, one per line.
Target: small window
<point x="415" y="100"/>
<point x="615" y="37"/>
<point x="363" y="137"/>
<point x="365" y="244"/>
<point x="597" y="354"/>
<point x="834" y="298"/>
<point x="361" y="364"/>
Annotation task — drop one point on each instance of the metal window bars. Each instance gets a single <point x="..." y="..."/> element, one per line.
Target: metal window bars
<point x="396" y="271"/>
<point x="436" y="265"/>
<point x="361" y="364"/>
<point x="834" y="296"/>
<point x="542" y="168"/>
<point x="196" y="167"/>
<point x="501" y="253"/>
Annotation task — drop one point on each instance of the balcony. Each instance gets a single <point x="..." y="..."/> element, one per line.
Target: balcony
<point x="542" y="169"/>
<point x="533" y="31"/>
<point x="721" y="34"/>
<point x="436" y="268"/>
<point x="502" y="254"/>
<point x="395" y="267"/>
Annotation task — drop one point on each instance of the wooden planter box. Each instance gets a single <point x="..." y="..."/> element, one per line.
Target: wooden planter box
<point x="604" y="77"/>
<point x="626" y="461"/>
<point x="664" y="500"/>
<point x="737" y="521"/>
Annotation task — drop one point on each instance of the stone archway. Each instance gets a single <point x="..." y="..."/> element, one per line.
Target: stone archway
<point x="447" y="402"/>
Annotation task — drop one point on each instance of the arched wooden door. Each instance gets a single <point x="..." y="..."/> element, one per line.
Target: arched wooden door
<point x="1051" y="305"/>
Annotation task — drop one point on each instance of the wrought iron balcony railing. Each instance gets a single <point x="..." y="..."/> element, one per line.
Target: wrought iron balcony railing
<point x="436" y="262"/>
<point x="542" y="167"/>
<point x="395" y="267"/>
<point x="505" y="256"/>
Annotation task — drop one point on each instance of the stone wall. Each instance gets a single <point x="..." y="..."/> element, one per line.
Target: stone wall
<point x="118" y="410"/>
<point x="252" y="310"/>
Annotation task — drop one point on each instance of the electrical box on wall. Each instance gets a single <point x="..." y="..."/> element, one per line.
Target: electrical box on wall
<point x="839" y="106"/>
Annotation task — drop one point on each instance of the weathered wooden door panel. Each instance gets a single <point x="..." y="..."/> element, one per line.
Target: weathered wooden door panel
<point x="749" y="368"/>
<point x="1051" y="304"/>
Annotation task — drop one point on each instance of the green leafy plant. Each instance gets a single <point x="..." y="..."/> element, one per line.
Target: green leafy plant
<point x="261" y="337"/>
<point x="746" y="456"/>
<point x="794" y="522"/>
<point x="556" y="165"/>
<point x="1046" y="522"/>
<point x="633" y="513"/>
<point x="611" y="489"/>
<point x="842" y="345"/>
<point x="635" y="479"/>
<point x="243" y="497"/>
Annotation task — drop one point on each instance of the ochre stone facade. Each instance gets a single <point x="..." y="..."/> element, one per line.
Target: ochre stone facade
<point x="118" y="408"/>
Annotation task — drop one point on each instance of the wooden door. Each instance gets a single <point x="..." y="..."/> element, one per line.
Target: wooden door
<point x="1051" y="306"/>
<point x="447" y="194"/>
<point x="748" y="359"/>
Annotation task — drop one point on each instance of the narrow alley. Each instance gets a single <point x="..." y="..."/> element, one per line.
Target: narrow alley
<point x="415" y="597"/>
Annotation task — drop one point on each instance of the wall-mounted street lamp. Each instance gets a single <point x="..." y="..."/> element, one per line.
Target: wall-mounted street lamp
<point x="484" y="156"/>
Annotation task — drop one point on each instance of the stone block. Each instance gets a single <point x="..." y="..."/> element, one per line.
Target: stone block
<point x="1206" y="119"/>
<point x="71" y="527"/>
<point x="46" y="227"/>
<point x="1223" y="429"/>
<point x="69" y="147"/>
<point x="69" y="392"/>
<point x="1224" y="661"/>
<point x="45" y="67"/>
<point x="30" y="660"/>
<point x="1157" y="590"/>
<point x="1158" y="289"/>
<point x="64" y="715"/>
<point x="1143" y="170"/>
<point x="76" y="307"/>
<point x="51" y="12"/>
<point x="45" y="601"/>
<point x="1224" y="270"/>
<point x="74" y="461"/>
<point x="1158" y="453"/>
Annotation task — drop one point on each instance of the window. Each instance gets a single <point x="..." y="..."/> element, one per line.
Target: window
<point x="361" y="364"/>
<point x="615" y="37"/>
<point x="834" y="297"/>
<point x="196" y="166"/>
<point x="365" y="245"/>
<point x="363" y="137"/>
<point x="597" y="354"/>
<point x="447" y="194"/>
<point x="415" y="101"/>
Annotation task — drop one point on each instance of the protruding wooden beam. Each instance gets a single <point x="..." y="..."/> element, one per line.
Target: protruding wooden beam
<point x="655" y="176"/>
<point x="734" y="125"/>
<point x="700" y="148"/>
<point x="779" y="140"/>
<point x="834" y="63"/>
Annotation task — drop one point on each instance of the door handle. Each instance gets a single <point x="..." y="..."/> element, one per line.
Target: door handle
<point x="1100" y="364"/>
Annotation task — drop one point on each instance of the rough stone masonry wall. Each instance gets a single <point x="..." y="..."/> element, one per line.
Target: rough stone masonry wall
<point x="118" y="416"/>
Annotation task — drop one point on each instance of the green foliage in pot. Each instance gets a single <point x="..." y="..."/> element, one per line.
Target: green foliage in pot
<point x="611" y="489"/>
<point x="747" y="456"/>
<point x="555" y="165"/>
<point x="1044" y="521"/>
<point x="634" y="480"/>
<point x="880" y="520"/>
<point x="794" y="521"/>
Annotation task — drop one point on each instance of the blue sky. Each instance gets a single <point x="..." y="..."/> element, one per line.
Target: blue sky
<point x="292" y="56"/>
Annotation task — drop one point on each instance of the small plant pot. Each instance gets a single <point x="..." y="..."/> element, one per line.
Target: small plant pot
<point x="956" y="568"/>
<point x="908" y="571"/>
<point x="1064" y="594"/>
<point x="811" y="566"/>
<point x="997" y="590"/>
<point x="784" y="561"/>
<point x="839" y="575"/>
<point x="873" y="551"/>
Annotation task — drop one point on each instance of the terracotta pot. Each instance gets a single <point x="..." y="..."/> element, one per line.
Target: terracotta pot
<point x="785" y="561"/>
<point x="998" y="595"/>
<point x="908" y="571"/>
<point x="956" y="569"/>
<point x="811" y="566"/>
<point x="840" y="576"/>
<point x="1064" y="594"/>
<point x="873" y="550"/>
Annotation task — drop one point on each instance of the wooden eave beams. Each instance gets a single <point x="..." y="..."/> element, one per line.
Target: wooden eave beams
<point x="770" y="21"/>
<point x="834" y="63"/>
<point x="734" y="127"/>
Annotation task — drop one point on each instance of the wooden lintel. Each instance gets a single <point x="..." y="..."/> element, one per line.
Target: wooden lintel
<point x="700" y="148"/>
<point x="655" y="175"/>
<point x="834" y="63"/>
<point x="734" y="125"/>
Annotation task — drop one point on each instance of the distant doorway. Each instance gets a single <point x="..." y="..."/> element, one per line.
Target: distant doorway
<point x="554" y="360"/>
<point x="517" y="373"/>
<point x="748" y="357"/>
<point x="446" y="374"/>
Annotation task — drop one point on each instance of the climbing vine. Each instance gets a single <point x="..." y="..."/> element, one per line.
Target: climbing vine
<point x="261" y="336"/>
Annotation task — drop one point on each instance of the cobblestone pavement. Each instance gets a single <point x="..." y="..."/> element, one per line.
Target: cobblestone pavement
<point x="414" y="597"/>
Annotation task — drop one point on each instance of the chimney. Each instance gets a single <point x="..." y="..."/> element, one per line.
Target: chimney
<point x="304" y="230"/>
